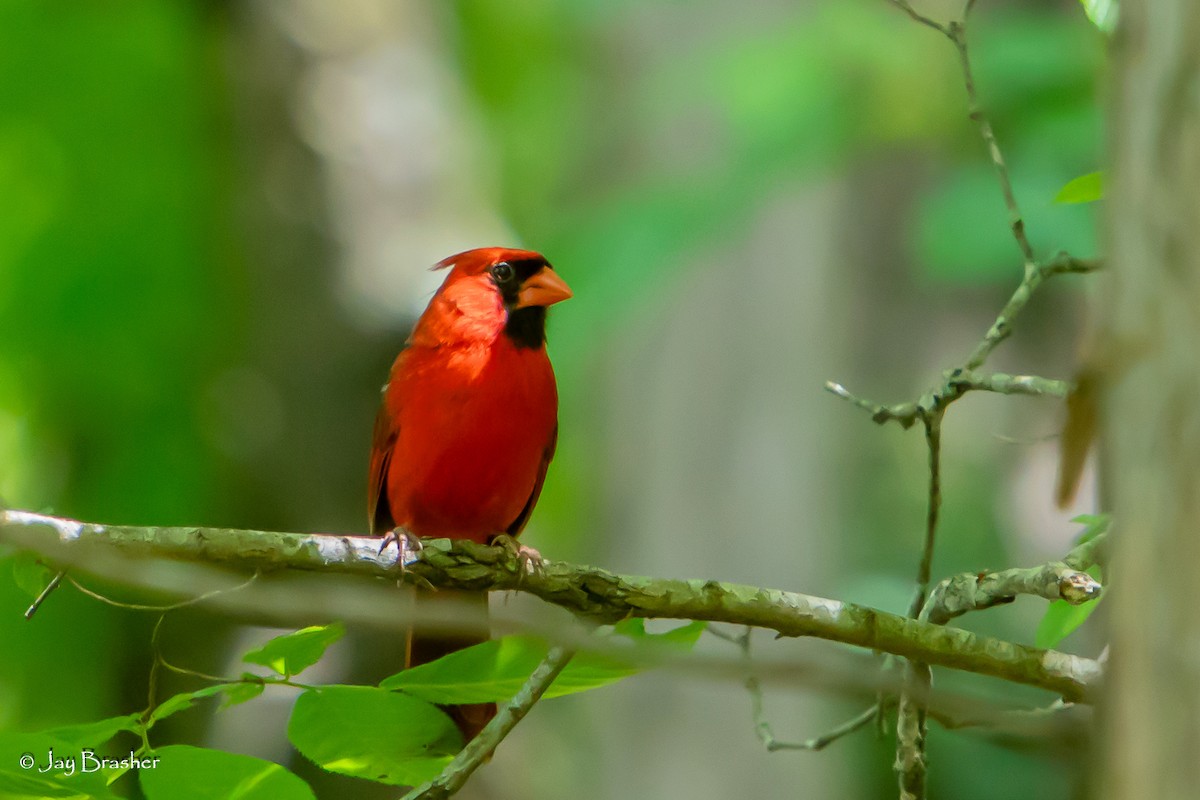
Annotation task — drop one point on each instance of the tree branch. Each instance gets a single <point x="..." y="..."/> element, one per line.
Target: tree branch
<point x="956" y="596"/>
<point x="593" y="593"/>
<point x="957" y="381"/>
<point x="458" y="771"/>
<point x="957" y="32"/>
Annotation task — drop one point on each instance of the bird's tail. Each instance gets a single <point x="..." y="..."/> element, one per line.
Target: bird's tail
<point x="430" y="640"/>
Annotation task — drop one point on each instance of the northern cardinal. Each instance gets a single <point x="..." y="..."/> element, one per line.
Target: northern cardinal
<point x="468" y="426"/>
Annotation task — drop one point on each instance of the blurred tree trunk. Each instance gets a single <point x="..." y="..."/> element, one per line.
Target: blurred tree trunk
<point x="1151" y="350"/>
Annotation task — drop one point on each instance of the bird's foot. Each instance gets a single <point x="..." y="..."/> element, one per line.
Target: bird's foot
<point x="529" y="559"/>
<point x="408" y="545"/>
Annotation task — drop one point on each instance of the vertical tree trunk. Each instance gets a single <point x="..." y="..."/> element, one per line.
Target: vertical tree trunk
<point x="1150" y="348"/>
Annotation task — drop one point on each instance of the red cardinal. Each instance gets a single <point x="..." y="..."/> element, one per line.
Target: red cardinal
<point x="468" y="424"/>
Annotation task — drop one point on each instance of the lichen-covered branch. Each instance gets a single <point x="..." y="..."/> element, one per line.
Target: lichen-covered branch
<point x="593" y="593"/>
<point x="910" y="715"/>
<point x="1057" y="580"/>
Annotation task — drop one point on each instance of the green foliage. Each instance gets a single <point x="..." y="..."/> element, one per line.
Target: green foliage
<point x="1093" y="526"/>
<point x="1102" y="12"/>
<point x="30" y="574"/>
<point x="184" y="701"/>
<point x="393" y="734"/>
<point x="1085" y="189"/>
<point x="1061" y="618"/>
<point x="91" y="734"/>
<point x="115" y="310"/>
<point x="35" y="765"/>
<point x="122" y="295"/>
<point x="238" y="693"/>
<point x="372" y="733"/>
<point x="293" y="653"/>
<point x="197" y="773"/>
<point x="495" y="670"/>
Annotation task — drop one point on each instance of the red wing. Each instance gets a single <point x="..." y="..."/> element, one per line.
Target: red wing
<point x="523" y="518"/>
<point x="383" y="441"/>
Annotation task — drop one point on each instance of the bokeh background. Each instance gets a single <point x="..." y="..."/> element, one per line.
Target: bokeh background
<point x="214" y="232"/>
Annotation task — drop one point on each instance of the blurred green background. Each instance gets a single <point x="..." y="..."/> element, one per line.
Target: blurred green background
<point x="217" y="219"/>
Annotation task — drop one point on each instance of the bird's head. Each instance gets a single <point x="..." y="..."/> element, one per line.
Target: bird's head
<point x="499" y="287"/>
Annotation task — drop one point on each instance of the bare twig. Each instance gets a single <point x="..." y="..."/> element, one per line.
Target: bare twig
<point x="957" y="32"/>
<point x="767" y="736"/>
<point x="957" y="381"/>
<point x="1000" y="383"/>
<point x="933" y="439"/>
<point x="41" y="598"/>
<point x="481" y="747"/>
<point x="163" y="608"/>
<point x="921" y="18"/>
<point x="762" y="727"/>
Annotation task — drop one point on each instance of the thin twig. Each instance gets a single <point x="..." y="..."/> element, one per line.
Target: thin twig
<point x="767" y="736"/>
<point x="957" y="381"/>
<point x="957" y="32"/>
<point x="933" y="439"/>
<point x="1025" y="719"/>
<point x="762" y="727"/>
<point x="481" y="747"/>
<point x="924" y="20"/>
<point x="1000" y="383"/>
<point x="169" y="607"/>
<point x="152" y="681"/>
<point x="41" y="598"/>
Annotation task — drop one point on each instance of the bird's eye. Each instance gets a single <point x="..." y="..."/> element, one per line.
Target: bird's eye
<point x="503" y="272"/>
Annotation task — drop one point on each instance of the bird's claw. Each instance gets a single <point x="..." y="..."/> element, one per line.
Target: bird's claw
<point x="529" y="559"/>
<point x="406" y="543"/>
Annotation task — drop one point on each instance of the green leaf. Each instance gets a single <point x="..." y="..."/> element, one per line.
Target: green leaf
<point x="30" y="574"/>
<point x="490" y="671"/>
<point x="184" y="772"/>
<point x="1102" y="13"/>
<point x="94" y="734"/>
<point x="495" y="670"/>
<point x="1094" y="525"/>
<point x="293" y="653"/>
<point x="1061" y="618"/>
<point x="66" y="773"/>
<point x="1085" y="189"/>
<point x="237" y="693"/>
<point x="184" y="701"/>
<point x="684" y="636"/>
<point x="374" y="734"/>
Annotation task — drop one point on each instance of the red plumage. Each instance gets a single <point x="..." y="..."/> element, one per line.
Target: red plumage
<point x="469" y="419"/>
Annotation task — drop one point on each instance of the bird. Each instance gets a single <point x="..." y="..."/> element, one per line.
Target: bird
<point x="467" y="428"/>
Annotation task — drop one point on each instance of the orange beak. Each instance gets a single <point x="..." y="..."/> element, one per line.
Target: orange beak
<point x="543" y="288"/>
